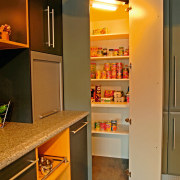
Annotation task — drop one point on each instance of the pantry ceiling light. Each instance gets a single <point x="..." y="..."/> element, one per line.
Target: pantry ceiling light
<point x="112" y="2"/>
<point x="104" y="6"/>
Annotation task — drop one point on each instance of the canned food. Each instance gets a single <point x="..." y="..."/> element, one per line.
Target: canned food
<point x="108" y="126"/>
<point x="108" y="74"/>
<point x="119" y="74"/>
<point x="98" y="74"/>
<point x="97" y="93"/>
<point x="103" y="75"/>
<point x="111" y="52"/>
<point x="105" y="52"/>
<point x="126" y="53"/>
<point x="102" y="126"/>
<point x="93" y="75"/>
<point x="107" y="66"/>
<point x="125" y="73"/>
<point x="121" y="51"/>
<point x="93" y="67"/>
<point x="127" y="97"/>
<point x="113" y="66"/>
<point x="99" y="52"/>
<point x="113" y="74"/>
<point x="113" y="125"/>
<point x="97" y="126"/>
<point x="115" y="52"/>
<point x="94" y="52"/>
<point x="119" y="66"/>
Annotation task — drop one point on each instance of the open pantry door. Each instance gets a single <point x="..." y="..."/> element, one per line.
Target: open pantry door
<point x="146" y="82"/>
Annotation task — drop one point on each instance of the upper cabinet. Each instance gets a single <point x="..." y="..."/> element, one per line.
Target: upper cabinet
<point x="46" y="26"/>
<point x="34" y="24"/>
<point x="15" y="14"/>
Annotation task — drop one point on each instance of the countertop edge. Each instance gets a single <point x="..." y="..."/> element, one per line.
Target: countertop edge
<point x="40" y="141"/>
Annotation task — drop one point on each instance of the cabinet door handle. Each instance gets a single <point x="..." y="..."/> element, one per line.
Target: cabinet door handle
<point x="85" y="124"/>
<point x="48" y="114"/>
<point x="25" y="169"/>
<point x="52" y="12"/>
<point x="175" y="85"/>
<point x="174" y="134"/>
<point x="49" y="31"/>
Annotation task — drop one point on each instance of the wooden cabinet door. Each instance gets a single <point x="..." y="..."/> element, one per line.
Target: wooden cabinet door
<point x="146" y="89"/>
<point x="174" y="144"/>
<point x="17" y="166"/>
<point x="78" y="151"/>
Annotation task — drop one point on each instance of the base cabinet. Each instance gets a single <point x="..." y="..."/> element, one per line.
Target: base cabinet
<point x="24" y="162"/>
<point x="78" y="150"/>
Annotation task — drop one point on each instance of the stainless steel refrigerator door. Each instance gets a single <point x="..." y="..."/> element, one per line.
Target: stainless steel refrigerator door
<point x="174" y="55"/>
<point x="174" y="144"/>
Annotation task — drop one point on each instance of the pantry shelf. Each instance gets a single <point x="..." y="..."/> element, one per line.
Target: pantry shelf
<point x="109" y="36"/>
<point x="109" y="58"/>
<point x="109" y="80"/>
<point x="4" y="44"/>
<point x="110" y="104"/>
<point x="122" y="130"/>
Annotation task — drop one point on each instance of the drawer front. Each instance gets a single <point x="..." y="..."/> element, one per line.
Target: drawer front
<point x="17" y="166"/>
<point x="78" y="150"/>
<point x="46" y="84"/>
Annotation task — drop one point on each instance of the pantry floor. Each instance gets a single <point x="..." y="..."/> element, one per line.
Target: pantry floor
<point x="105" y="168"/>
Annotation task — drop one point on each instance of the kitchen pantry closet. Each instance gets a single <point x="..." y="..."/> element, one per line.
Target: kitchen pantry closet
<point x="109" y="37"/>
<point x="126" y="88"/>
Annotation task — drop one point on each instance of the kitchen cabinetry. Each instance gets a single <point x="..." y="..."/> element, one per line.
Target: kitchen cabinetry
<point x="34" y="87"/>
<point x="46" y="26"/>
<point x="46" y="78"/>
<point x="78" y="150"/>
<point x="15" y="14"/>
<point x="23" y="168"/>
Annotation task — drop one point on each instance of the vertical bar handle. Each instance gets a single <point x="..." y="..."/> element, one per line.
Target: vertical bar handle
<point x="52" y="12"/>
<point x="174" y="133"/>
<point x="49" y="31"/>
<point x="175" y="79"/>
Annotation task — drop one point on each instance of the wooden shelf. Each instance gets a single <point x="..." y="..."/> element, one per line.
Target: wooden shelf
<point x="109" y="80"/>
<point x="109" y="36"/>
<point x="109" y="58"/>
<point x="110" y="104"/>
<point x="11" y="45"/>
<point x="121" y="130"/>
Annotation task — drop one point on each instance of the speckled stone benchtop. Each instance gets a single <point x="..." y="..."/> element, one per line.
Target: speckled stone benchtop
<point x="17" y="139"/>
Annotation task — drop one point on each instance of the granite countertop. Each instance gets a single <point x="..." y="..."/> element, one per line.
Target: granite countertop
<point x="17" y="139"/>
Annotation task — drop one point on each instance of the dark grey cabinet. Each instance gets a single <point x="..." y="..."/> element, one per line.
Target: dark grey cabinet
<point x="28" y="161"/>
<point x="45" y="17"/>
<point x="174" y="144"/>
<point x="78" y="150"/>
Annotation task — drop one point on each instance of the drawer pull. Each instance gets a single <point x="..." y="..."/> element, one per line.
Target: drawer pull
<point x="85" y="124"/>
<point x="25" y="169"/>
<point x="48" y="114"/>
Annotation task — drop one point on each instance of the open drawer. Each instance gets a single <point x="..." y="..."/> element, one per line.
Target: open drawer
<point x="57" y="150"/>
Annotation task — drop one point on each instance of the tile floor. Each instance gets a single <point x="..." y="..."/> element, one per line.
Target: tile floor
<point x="105" y="168"/>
